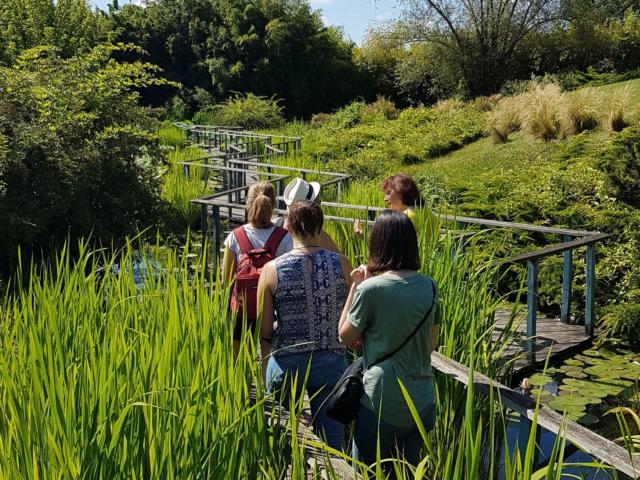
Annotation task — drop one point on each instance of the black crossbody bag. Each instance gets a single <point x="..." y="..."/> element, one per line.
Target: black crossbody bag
<point x="344" y="400"/>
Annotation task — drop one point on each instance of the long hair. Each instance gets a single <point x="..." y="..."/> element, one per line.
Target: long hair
<point x="261" y="201"/>
<point x="393" y="244"/>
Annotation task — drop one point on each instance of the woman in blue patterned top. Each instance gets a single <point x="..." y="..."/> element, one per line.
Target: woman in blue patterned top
<point x="305" y="291"/>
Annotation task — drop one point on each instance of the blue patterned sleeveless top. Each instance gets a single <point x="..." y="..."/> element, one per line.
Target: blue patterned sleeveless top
<point x="309" y="297"/>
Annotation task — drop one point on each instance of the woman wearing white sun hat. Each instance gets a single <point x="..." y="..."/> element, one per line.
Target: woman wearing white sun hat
<point x="299" y="190"/>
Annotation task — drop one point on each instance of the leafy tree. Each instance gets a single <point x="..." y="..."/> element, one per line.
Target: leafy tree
<point x="268" y="47"/>
<point x="482" y="36"/>
<point x="77" y="155"/>
<point x="69" y="25"/>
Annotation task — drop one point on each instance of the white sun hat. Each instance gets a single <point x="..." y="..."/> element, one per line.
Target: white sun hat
<point x="299" y="189"/>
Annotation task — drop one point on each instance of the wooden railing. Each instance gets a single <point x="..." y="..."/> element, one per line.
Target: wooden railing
<point x="234" y="139"/>
<point x="573" y="240"/>
<point x="238" y="155"/>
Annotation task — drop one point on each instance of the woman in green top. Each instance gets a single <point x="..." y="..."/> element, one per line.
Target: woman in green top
<point x="387" y="301"/>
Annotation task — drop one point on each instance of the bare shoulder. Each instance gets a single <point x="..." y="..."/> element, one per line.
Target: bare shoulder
<point x="345" y="262"/>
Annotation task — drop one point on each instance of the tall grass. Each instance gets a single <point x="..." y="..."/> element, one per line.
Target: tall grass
<point x="178" y="189"/>
<point x="172" y="136"/>
<point x="103" y="379"/>
<point x="100" y="380"/>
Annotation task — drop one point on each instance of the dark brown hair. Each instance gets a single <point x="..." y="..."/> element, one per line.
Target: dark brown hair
<point x="261" y="200"/>
<point x="393" y="244"/>
<point x="405" y="187"/>
<point x="305" y="218"/>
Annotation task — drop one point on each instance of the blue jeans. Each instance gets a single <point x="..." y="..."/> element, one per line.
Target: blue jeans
<point x="325" y="371"/>
<point x="395" y="441"/>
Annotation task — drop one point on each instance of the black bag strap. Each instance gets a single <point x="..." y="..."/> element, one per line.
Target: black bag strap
<point x="415" y="330"/>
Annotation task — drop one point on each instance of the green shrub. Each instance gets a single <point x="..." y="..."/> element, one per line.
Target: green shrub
<point x="247" y="111"/>
<point x="78" y="155"/>
<point x="622" y="323"/>
<point x="621" y="162"/>
<point x="381" y="109"/>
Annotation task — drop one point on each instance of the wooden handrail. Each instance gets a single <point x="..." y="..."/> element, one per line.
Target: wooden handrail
<point x="601" y="448"/>
<point x="557" y="248"/>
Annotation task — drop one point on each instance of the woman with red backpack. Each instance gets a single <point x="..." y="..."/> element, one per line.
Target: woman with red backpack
<point x="248" y="249"/>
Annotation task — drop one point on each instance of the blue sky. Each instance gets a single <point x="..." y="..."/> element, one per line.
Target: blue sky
<point x="354" y="15"/>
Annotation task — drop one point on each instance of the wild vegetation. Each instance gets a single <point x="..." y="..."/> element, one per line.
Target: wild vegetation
<point x="115" y="354"/>
<point x="106" y="377"/>
<point x="78" y="155"/>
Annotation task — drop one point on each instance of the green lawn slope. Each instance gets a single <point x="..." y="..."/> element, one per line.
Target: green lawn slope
<point x="587" y="181"/>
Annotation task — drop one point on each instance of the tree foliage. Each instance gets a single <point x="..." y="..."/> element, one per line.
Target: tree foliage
<point x="275" y="48"/>
<point x="77" y="155"/>
<point x="69" y="25"/>
<point x="482" y="35"/>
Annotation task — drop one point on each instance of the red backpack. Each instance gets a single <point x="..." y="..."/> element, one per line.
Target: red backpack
<point x="244" y="297"/>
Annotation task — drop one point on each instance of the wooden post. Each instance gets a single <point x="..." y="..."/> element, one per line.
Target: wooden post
<point x="524" y="431"/>
<point x="567" y="281"/>
<point x="186" y="171"/>
<point x="590" y="287"/>
<point x="217" y="231"/>
<point x="371" y="216"/>
<point x="532" y="308"/>
<point x="204" y="227"/>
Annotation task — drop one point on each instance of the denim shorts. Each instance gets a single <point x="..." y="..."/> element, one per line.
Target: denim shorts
<point x="325" y="370"/>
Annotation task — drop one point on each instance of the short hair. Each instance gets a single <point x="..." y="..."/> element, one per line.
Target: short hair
<point x="393" y="244"/>
<point x="405" y="186"/>
<point x="305" y="218"/>
<point x="261" y="200"/>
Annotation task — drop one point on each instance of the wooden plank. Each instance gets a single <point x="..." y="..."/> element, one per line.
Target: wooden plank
<point x="318" y="457"/>
<point x="553" y="337"/>
<point x="590" y="442"/>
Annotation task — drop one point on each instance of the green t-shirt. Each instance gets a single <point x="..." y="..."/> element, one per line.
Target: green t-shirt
<point x="386" y="310"/>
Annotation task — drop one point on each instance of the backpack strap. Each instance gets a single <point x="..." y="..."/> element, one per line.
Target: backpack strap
<point x="243" y="240"/>
<point x="275" y="239"/>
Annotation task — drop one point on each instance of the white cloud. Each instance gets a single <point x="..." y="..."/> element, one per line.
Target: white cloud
<point x="317" y="3"/>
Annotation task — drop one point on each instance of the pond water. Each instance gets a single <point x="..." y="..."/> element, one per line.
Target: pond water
<point x="585" y="387"/>
<point x="589" y="384"/>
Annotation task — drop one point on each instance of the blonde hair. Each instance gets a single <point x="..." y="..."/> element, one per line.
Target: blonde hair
<point x="261" y="200"/>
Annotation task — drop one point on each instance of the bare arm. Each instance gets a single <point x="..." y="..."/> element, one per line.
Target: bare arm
<point x="347" y="333"/>
<point x="327" y="243"/>
<point x="433" y="338"/>
<point x="228" y="267"/>
<point x="266" y="314"/>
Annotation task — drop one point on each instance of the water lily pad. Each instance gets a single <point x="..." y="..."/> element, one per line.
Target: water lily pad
<point x="608" y="354"/>
<point x="595" y="392"/>
<point x="574" y="416"/>
<point x="576" y="374"/>
<point x="570" y="368"/>
<point x="591" y="353"/>
<point x="540" y="391"/>
<point x="561" y="404"/>
<point x="568" y="388"/>
<point x="596" y="370"/>
<point x="571" y="398"/>
<point x="540" y="380"/>
<point x="588" y="419"/>
<point x="574" y="362"/>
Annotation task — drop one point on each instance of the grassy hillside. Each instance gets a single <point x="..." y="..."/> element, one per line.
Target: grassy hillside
<point x="584" y="180"/>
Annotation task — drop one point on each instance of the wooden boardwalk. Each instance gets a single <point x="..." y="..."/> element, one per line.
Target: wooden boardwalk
<point x="561" y="339"/>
